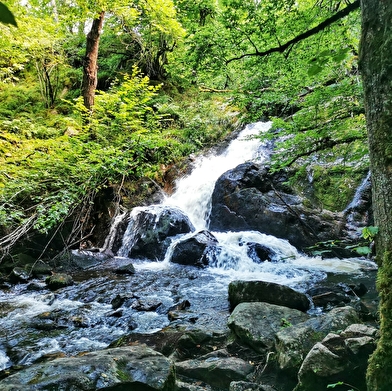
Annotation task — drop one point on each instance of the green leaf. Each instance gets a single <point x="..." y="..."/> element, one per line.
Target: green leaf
<point x="340" y="383"/>
<point x="6" y="16"/>
<point x="314" y="70"/>
<point x="369" y="232"/>
<point x="363" y="250"/>
<point x="340" y="55"/>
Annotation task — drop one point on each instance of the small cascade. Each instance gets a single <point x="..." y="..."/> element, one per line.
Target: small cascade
<point x="148" y="230"/>
<point x="248" y="255"/>
<point x="193" y="192"/>
<point x="112" y="238"/>
<point x="357" y="212"/>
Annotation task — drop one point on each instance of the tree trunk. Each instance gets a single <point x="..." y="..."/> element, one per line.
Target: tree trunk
<point x="90" y="70"/>
<point x="376" y="68"/>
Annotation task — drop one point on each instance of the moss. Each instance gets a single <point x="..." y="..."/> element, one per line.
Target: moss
<point x="380" y="363"/>
<point x="122" y="372"/>
<point x="330" y="188"/>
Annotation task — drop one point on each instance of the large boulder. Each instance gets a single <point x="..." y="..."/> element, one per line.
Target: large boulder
<point x="150" y="229"/>
<point x="292" y="344"/>
<point x="338" y="358"/>
<point x="85" y="259"/>
<point x="218" y="369"/>
<point x="256" y="324"/>
<point x="195" y="250"/>
<point x="269" y="292"/>
<point x="136" y="368"/>
<point x="249" y="197"/>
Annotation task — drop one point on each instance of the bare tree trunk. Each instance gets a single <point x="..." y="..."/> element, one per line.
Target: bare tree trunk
<point x="376" y="68"/>
<point x="90" y="71"/>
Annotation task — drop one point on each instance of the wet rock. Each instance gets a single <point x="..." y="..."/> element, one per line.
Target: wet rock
<point x="247" y="386"/>
<point x="125" y="269"/>
<point x="40" y="269"/>
<point x="328" y="297"/>
<point x="269" y="292"/>
<point x="256" y="324"/>
<point x="218" y="369"/>
<point x="183" y="305"/>
<point x="338" y="358"/>
<point x="150" y="228"/>
<point x="51" y="320"/>
<point x="293" y="343"/>
<point x="260" y="253"/>
<point x="249" y="197"/>
<point x="196" y="343"/>
<point x="195" y="250"/>
<point x="119" y="300"/>
<point x="116" y="314"/>
<point x="133" y="367"/>
<point x="358" y="289"/>
<point x="147" y="304"/>
<point x="196" y="386"/>
<point x="35" y="286"/>
<point x="85" y="259"/>
<point x="177" y="311"/>
<point x="58" y="280"/>
<point x="19" y="274"/>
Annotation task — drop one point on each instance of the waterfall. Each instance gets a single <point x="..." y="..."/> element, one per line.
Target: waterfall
<point x="193" y="192"/>
<point x="235" y="255"/>
<point x="83" y="317"/>
<point x="358" y="196"/>
<point x="356" y="212"/>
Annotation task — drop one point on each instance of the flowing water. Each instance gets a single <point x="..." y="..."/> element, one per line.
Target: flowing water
<point x="35" y="322"/>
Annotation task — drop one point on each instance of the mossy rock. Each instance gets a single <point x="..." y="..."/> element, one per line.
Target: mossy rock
<point x="58" y="280"/>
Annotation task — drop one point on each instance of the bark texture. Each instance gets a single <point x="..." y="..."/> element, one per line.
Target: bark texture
<point x="90" y="71"/>
<point x="376" y="68"/>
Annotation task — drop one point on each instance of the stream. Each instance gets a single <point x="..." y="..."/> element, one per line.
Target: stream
<point x="103" y="306"/>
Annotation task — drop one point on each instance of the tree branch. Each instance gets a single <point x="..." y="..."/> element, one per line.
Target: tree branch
<point x="288" y="45"/>
<point x="323" y="144"/>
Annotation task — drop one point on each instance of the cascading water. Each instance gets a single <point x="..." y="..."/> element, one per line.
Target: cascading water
<point x="85" y="317"/>
<point x="193" y="192"/>
<point x="356" y="212"/>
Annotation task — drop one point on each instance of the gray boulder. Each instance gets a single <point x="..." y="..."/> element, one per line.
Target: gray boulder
<point x="150" y="229"/>
<point x="268" y="292"/>
<point x="256" y="324"/>
<point x="85" y="259"/>
<point x="338" y="358"/>
<point x="292" y="344"/>
<point x="218" y="369"/>
<point x="249" y="197"/>
<point x="136" y="368"/>
<point x="195" y="250"/>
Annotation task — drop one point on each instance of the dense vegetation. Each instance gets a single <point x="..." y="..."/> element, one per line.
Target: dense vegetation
<point x="173" y="78"/>
<point x="171" y="74"/>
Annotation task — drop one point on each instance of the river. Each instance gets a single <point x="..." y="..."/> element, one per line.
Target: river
<point x="103" y="306"/>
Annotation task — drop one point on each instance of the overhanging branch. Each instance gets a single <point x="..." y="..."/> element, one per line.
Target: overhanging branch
<point x="323" y="144"/>
<point x="289" y="44"/>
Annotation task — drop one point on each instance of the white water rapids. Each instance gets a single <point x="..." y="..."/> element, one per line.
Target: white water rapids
<point x="35" y="322"/>
<point x="193" y="196"/>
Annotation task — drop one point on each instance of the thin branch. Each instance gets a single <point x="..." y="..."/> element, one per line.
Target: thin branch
<point x="288" y="45"/>
<point x="322" y="145"/>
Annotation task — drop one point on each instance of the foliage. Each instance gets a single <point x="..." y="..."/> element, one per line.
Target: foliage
<point x="340" y="383"/>
<point x="368" y="234"/>
<point x="312" y="92"/>
<point x="6" y="16"/>
<point x="54" y="166"/>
